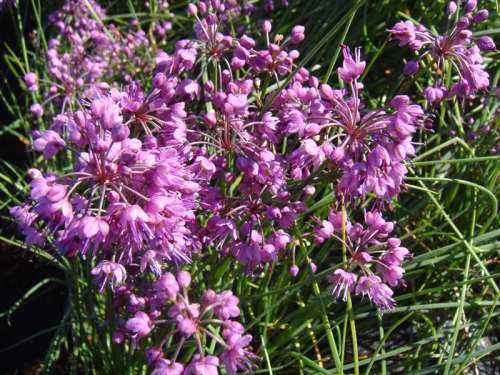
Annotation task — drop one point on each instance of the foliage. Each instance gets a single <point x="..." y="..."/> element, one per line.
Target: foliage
<point x="445" y="317"/>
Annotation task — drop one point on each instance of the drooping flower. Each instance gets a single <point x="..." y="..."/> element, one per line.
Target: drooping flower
<point x="139" y="326"/>
<point x="343" y="282"/>
<point x="235" y="356"/>
<point x="352" y="67"/>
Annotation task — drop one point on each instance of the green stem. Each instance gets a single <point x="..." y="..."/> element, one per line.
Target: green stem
<point x="352" y="322"/>
<point x="338" y="48"/>
<point x="460" y="309"/>
<point x="328" y="329"/>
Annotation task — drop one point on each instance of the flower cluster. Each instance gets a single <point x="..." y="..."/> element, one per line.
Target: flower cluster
<point x="370" y="251"/>
<point x="457" y="49"/>
<point x="87" y="51"/>
<point x="329" y="132"/>
<point x="147" y="162"/>
<point x="166" y="302"/>
<point x="129" y="199"/>
<point x="215" y="153"/>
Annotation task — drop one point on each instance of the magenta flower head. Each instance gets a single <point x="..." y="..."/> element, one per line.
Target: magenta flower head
<point x="209" y="297"/>
<point x="297" y="34"/>
<point x="183" y="279"/>
<point x="481" y="15"/>
<point x="49" y="142"/>
<point x="192" y="9"/>
<point x="266" y="26"/>
<point x="470" y="5"/>
<point x="227" y="305"/>
<point x="294" y="270"/>
<point x="166" y="367"/>
<point x="139" y="326"/>
<point x="455" y="46"/>
<point x="109" y="272"/>
<point x="378" y="292"/>
<point x="486" y="44"/>
<point x="395" y="253"/>
<point x="403" y="32"/>
<point x="309" y="190"/>
<point x="236" y="356"/>
<point x="352" y="67"/>
<point x="37" y="110"/>
<point x="410" y="68"/>
<point x="186" y="326"/>
<point x="31" y="81"/>
<point x="343" y="282"/>
<point x="434" y="95"/>
<point x="167" y="286"/>
<point x="324" y="232"/>
<point x="203" y="366"/>
<point x="451" y="8"/>
<point x="154" y="354"/>
<point x="314" y="267"/>
<point x="391" y="274"/>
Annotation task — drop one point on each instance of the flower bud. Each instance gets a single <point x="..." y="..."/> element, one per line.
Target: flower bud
<point x="462" y="23"/>
<point x="294" y="270"/>
<point x="451" y="8"/>
<point x="486" y="44"/>
<point x="313" y="266"/>
<point x="120" y="133"/>
<point x="297" y="34"/>
<point x="267" y="26"/>
<point x="159" y="80"/>
<point x="309" y="190"/>
<point x="470" y="5"/>
<point x="183" y="279"/>
<point x="480" y="16"/>
<point x="411" y="67"/>
<point x="192" y="9"/>
<point x="37" y="110"/>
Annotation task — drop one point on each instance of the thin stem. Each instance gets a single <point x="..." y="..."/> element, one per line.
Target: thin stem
<point x="339" y="47"/>
<point x="352" y="322"/>
<point x="328" y="329"/>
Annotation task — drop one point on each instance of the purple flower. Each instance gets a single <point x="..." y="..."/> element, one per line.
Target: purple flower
<point x="486" y="44"/>
<point x="343" y="282"/>
<point x="109" y="272"/>
<point x="37" y="110"/>
<point x="186" y="326"/>
<point x="294" y="270"/>
<point x="391" y="274"/>
<point x="451" y="8"/>
<point x="235" y="356"/>
<point x="404" y="32"/>
<point x="324" y="232"/>
<point x="395" y="253"/>
<point x="297" y="35"/>
<point x="434" y="95"/>
<point x="227" y="305"/>
<point x="166" y="367"/>
<point x="480" y="16"/>
<point x="183" y="279"/>
<point x="48" y="142"/>
<point x="203" y="366"/>
<point x="167" y="285"/>
<point x="378" y="292"/>
<point x="352" y="68"/>
<point x="139" y="326"/>
<point x="410" y="68"/>
<point x="31" y="81"/>
<point x="470" y="5"/>
<point x="454" y="46"/>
